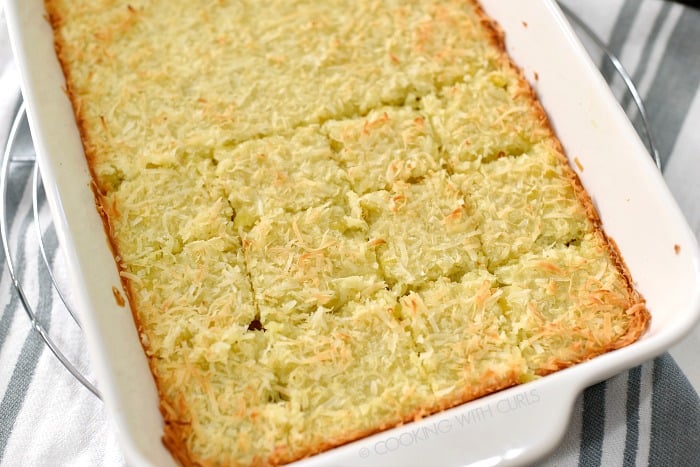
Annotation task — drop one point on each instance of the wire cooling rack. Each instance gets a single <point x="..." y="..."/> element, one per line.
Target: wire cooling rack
<point x="11" y="156"/>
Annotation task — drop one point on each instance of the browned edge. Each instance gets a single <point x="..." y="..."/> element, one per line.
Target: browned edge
<point x="55" y="20"/>
<point x="642" y="316"/>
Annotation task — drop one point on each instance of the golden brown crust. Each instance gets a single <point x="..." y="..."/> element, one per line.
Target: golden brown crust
<point x="174" y="437"/>
<point x="175" y="433"/>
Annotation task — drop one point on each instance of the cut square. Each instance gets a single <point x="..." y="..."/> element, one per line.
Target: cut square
<point x="423" y="231"/>
<point x="316" y="259"/>
<point x="524" y="204"/>
<point x="292" y="172"/>
<point x="388" y="145"/>
<point x="492" y="115"/>
<point x="564" y="302"/>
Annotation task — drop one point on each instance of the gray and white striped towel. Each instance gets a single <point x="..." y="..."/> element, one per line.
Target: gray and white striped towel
<point x="649" y="415"/>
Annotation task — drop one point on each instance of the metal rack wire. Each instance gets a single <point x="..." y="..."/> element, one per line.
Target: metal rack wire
<point x="10" y="157"/>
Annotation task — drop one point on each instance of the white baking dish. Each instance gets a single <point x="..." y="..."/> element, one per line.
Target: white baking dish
<point x="513" y="426"/>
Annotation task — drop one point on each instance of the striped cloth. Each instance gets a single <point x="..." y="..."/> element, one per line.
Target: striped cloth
<point x="649" y="415"/>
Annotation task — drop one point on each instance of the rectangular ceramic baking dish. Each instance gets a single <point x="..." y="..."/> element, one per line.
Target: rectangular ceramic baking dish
<point x="636" y="207"/>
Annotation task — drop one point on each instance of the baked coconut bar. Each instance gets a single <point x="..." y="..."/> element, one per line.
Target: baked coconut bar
<point x="333" y="217"/>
